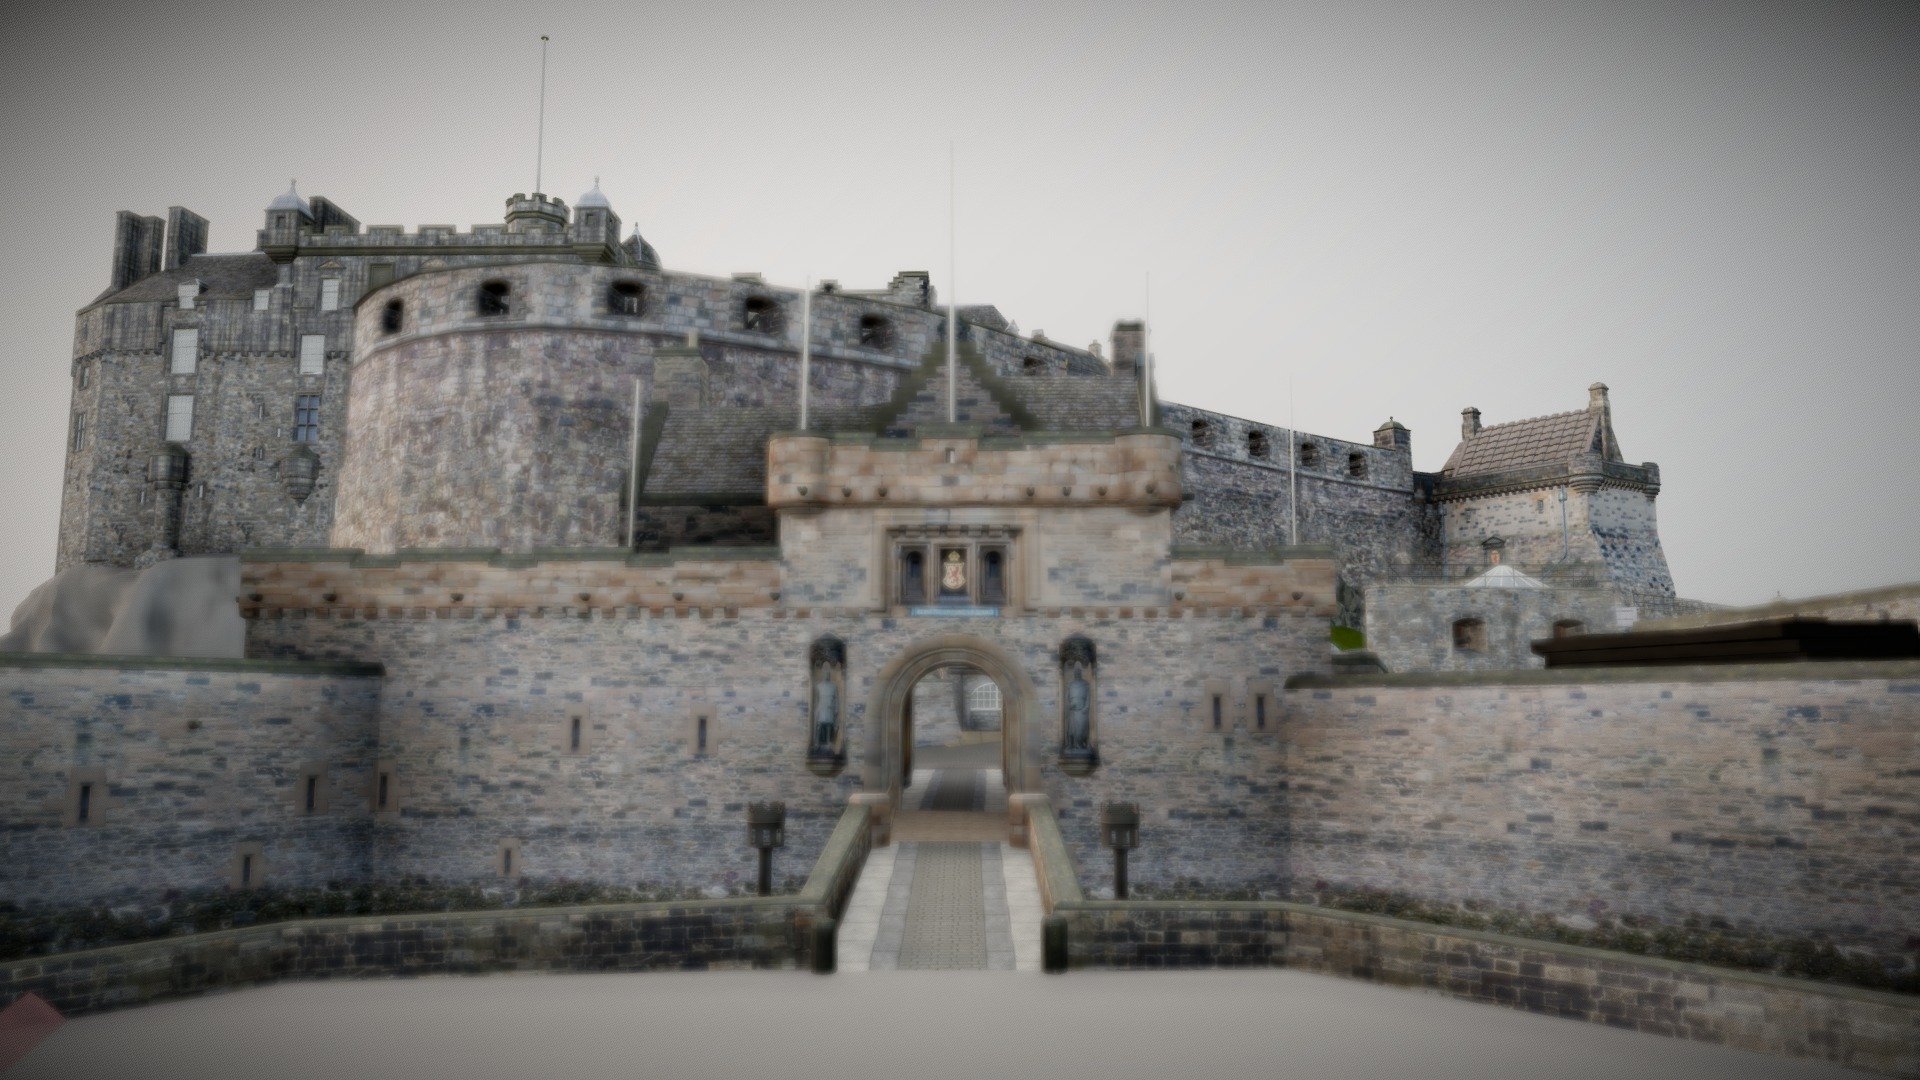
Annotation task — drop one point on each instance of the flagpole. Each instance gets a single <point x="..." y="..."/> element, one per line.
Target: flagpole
<point x="806" y="348"/>
<point x="953" y="301"/>
<point x="633" y="464"/>
<point x="1293" y="473"/>
<point x="540" y="138"/>
<point x="1146" y="353"/>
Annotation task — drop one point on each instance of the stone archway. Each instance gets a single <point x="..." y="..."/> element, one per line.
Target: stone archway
<point x="886" y="709"/>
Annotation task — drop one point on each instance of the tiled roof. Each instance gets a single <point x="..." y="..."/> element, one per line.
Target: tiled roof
<point x="225" y="277"/>
<point x="1525" y="444"/>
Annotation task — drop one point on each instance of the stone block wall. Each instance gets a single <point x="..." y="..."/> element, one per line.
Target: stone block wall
<point x="1774" y="798"/>
<point x="1409" y="625"/>
<point x="1896" y="603"/>
<point x="476" y="714"/>
<point x="188" y="761"/>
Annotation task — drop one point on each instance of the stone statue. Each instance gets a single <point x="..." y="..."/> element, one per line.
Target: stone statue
<point x="826" y="711"/>
<point x="1078" y="717"/>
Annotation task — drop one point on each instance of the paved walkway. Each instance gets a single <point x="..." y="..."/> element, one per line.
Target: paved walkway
<point x="949" y="893"/>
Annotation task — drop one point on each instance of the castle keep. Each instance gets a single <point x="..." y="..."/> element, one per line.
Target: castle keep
<point x="495" y="614"/>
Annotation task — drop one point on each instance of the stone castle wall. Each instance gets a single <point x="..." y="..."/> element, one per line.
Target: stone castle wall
<point x="1410" y="626"/>
<point x="476" y="713"/>
<point x="1613" y="529"/>
<point x="1773" y="797"/>
<point x="189" y="760"/>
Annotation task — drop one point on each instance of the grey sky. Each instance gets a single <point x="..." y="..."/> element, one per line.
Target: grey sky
<point x="1407" y="208"/>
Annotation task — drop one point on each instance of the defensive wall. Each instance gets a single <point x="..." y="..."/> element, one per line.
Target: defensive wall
<point x="1411" y="624"/>
<point x="1894" y="602"/>
<point x="1773" y="798"/>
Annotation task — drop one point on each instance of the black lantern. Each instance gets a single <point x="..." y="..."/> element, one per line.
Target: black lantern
<point x="1120" y="830"/>
<point x="766" y="830"/>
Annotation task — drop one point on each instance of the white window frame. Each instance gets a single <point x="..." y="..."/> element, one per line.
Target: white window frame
<point x="313" y="354"/>
<point x="188" y="292"/>
<point x="262" y="299"/>
<point x="179" y="417"/>
<point x="186" y="351"/>
<point x="330" y="294"/>
<point x="984" y="697"/>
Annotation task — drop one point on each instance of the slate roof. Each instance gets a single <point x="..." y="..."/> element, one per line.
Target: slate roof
<point x="1543" y="441"/>
<point x="225" y="277"/>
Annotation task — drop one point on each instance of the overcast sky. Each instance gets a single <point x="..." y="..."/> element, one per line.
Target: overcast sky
<point x="1399" y="209"/>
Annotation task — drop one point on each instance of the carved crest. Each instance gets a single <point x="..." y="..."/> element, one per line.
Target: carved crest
<point x="828" y="650"/>
<point x="1077" y="649"/>
<point x="953" y="572"/>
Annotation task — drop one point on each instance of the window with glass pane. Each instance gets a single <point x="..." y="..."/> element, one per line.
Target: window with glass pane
<point x="306" y="418"/>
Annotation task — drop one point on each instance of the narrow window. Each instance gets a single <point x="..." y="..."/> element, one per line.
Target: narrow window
<point x="313" y="354"/>
<point x="1257" y="445"/>
<point x="573" y="735"/>
<point x="262" y="299"/>
<point x="1218" y="711"/>
<point x="392" y="316"/>
<point x="1202" y="433"/>
<point x="626" y="298"/>
<point x="380" y="800"/>
<point x="179" y="417"/>
<point x="1260" y="712"/>
<point x="246" y="871"/>
<point x="875" y="332"/>
<point x="330" y="294"/>
<point x="1032" y="365"/>
<point x="1309" y="455"/>
<point x="993" y="577"/>
<point x="313" y="793"/>
<point x="700" y="739"/>
<point x="1357" y="464"/>
<point x="379" y="275"/>
<point x="186" y="350"/>
<point x="493" y="298"/>
<point x="84" y="812"/>
<point x="81" y="377"/>
<point x="306" y="418"/>
<point x="913" y="578"/>
<point x="761" y="315"/>
<point x="79" y="430"/>
<point x="506" y="861"/>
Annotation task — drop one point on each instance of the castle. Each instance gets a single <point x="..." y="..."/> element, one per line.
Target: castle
<point x="546" y="563"/>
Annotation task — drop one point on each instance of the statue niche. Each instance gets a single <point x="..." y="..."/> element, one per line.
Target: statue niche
<point x="1079" y="680"/>
<point x="826" y="697"/>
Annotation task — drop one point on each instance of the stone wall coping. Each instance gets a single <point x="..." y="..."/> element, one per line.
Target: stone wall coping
<point x="1887" y="998"/>
<point x="1908" y="590"/>
<point x="359" y="558"/>
<point x="841" y="858"/>
<point x="1807" y="670"/>
<point x="351" y="668"/>
<point x="1258" y="557"/>
<point x="1059" y="880"/>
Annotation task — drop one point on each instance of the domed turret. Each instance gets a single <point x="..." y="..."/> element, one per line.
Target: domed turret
<point x="290" y="200"/>
<point x="594" y="200"/>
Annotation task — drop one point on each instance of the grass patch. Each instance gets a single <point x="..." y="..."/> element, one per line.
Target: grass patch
<point x="1346" y="638"/>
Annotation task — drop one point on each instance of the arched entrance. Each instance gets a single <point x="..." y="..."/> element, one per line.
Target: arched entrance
<point x="889" y="749"/>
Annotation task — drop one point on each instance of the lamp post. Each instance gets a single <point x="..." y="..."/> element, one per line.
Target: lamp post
<point x="1120" y="830"/>
<point x="766" y="830"/>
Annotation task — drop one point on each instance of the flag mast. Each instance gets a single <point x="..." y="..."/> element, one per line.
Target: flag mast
<point x="953" y="302"/>
<point x="806" y="348"/>
<point x="540" y="136"/>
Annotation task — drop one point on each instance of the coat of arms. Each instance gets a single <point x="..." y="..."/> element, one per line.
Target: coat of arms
<point x="953" y="574"/>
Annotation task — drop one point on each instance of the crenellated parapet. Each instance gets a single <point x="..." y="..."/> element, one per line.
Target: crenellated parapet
<point x="1138" y="470"/>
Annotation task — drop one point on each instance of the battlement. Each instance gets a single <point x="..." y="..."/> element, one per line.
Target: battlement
<point x="1139" y="469"/>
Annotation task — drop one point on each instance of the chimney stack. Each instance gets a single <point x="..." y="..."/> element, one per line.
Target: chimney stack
<point x="1469" y="422"/>
<point x="1129" y="345"/>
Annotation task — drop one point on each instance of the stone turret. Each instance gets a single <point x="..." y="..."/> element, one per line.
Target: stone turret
<point x="536" y="213"/>
<point x="1393" y="435"/>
